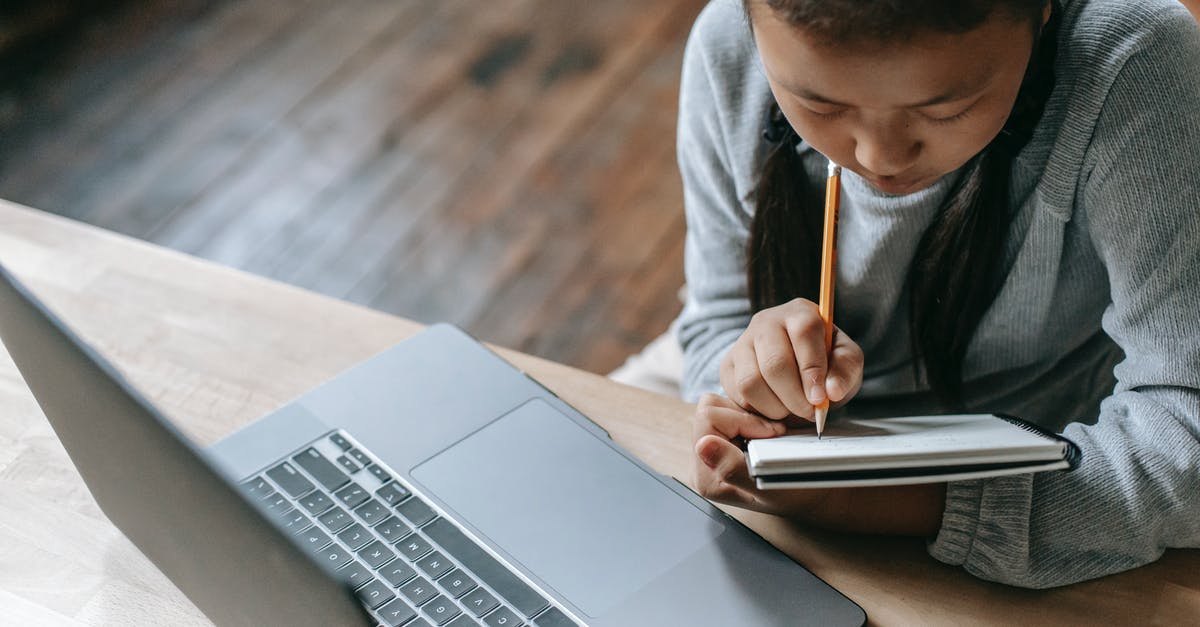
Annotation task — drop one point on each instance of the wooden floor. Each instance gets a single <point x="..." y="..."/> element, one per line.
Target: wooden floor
<point x="507" y="166"/>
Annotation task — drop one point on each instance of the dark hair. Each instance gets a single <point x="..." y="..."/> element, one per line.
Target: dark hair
<point x="957" y="269"/>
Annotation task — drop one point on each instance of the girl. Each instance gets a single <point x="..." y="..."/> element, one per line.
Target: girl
<point x="1020" y="233"/>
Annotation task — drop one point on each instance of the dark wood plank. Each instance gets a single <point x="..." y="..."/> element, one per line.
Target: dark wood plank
<point x="507" y="167"/>
<point x="66" y="120"/>
<point x="336" y="131"/>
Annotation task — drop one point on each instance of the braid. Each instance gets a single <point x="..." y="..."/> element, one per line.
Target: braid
<point x="781" y="218"/>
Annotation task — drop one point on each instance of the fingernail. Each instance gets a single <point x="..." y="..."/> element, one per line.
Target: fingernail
<point x="834" y="386"/>
<point x="708" y="458"/>
<point x="816" y="393"/>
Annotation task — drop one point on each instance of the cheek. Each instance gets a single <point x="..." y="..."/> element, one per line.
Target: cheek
<point x="953" y="147"/>
<point x="831" y="138"/>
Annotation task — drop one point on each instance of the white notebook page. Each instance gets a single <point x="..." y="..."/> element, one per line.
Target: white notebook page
<point x="903" y="442"/>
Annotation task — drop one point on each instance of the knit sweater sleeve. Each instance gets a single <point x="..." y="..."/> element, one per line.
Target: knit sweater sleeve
<point x="1135" y="494"/>
<point x="717" y="308"/>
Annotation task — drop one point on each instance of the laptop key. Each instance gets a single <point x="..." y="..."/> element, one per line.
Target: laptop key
<point x="287" y="477"/>
<point x="440" y="610"/>
<point x="352" y="495"/>
<point x="418" y="591"/>
<point x="276" y="505"/>
<point x="376" y="554"/>
<point x="335" y="519"/>
<point x="375" y="594"/>
<point x="282" y="515"/>
<point x="463" y="621"/>
<point x="457" y="583"/>
<point x="413" y="547"/>
<point x="348" y="464"/>
<point x="435" y="565"/>
<point x="355" y="536"/>
<point x="314" y="539"/>
<point x="416" y="511"/>
<point x="334" y="555"/>
<point x="396" y="613"/>
<point x="481" y="564"/>
<point x="355" y="574"/>
<point x="480" y="601"/>
<point x="379" y="473"/>
<point x="392" y="493"/>
<point x="321" y="469"/>
<point x="341" y="442"/>
<point x="256" y="487"/>
<point x="503" y="617"/>
<point x="297" y="521"/>
<point x="372" y="512"/>
<point x="393" y="529"/>
<point x="397" y="572"/>
<point x="316" y="503"/>
<point x="359" y="457"/>
<point x="553" y="617"/>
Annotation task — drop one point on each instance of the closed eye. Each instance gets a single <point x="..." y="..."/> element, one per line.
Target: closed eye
<point x="951" y="118"/>
<point x="829" y="115"/>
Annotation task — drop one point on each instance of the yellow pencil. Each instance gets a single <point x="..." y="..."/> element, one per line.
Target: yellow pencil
<point x="833" y="199"/>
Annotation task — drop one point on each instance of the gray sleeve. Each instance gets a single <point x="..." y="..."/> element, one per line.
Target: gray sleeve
<point x="1136" y="492"/>
<point x="717" y="308"/>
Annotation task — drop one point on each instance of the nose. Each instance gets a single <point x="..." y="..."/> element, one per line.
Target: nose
<point x="887" y="149"/>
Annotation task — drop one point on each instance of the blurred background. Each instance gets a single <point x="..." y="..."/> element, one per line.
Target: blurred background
<point x="505" y="165"/>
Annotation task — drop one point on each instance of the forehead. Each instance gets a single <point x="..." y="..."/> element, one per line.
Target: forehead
<point x="926" y="66"/>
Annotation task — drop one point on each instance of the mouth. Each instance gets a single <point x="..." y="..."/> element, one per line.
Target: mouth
<point x="897" y="186"/>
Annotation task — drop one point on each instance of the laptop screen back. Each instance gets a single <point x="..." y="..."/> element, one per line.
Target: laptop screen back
<point x="158" y="489"/>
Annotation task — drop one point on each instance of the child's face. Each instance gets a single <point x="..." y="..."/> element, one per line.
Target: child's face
<point x="901" y="115"/>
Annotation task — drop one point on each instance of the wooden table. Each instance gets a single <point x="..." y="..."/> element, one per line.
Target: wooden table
<point x="216" y="348"/>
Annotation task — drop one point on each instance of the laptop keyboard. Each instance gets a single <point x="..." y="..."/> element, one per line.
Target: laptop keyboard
<point x="407" y="564"/>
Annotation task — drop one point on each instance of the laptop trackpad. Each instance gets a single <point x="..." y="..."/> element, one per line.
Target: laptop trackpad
<point x="592" y="525"/>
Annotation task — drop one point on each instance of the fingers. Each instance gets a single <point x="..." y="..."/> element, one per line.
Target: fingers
<point x="777" y="365"/>
<point x="721" y="474"/>
<point x="807" y="334"/>
<point x="845" y="368"/>
<point x="744" y="382"/>
<point x="718" y="416"/>
<point x="761" y="372"/>
<point x="719" y="465"/>
<point x="781" y="366"/>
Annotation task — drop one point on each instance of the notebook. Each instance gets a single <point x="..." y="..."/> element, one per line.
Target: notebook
<point x="906" y="450"/>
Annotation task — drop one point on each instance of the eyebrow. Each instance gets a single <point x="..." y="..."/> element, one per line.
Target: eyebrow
<point x="958" y="93"/>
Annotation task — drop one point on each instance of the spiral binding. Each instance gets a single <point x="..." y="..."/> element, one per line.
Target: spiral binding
<point x="1073" y="456"/>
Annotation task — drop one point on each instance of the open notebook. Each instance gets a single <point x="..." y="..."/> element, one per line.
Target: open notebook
<point x="905" y="450"/>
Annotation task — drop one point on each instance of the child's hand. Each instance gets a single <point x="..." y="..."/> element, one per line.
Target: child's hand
<point x="721" y="475"/>
<point x="779" y="367"/>
<point x="720" y="465"/>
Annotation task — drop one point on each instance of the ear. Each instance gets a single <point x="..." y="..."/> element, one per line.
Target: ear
<point x="1047" y="11"/>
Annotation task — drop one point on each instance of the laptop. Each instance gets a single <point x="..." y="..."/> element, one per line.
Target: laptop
<point x="433" y="484"/>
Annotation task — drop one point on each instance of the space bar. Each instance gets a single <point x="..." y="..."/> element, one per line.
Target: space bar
<point x="492" y="572"/>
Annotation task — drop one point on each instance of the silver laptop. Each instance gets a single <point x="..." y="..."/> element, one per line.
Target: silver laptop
<point x="433" y="484"/>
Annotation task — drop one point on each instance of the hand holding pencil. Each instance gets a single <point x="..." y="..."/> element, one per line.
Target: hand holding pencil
<point x="791" y="360"/>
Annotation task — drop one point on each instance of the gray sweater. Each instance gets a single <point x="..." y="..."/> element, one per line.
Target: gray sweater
<point x="1096" y="330"/>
